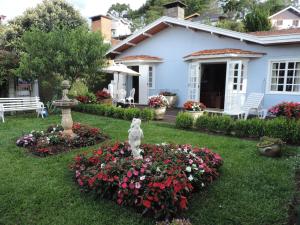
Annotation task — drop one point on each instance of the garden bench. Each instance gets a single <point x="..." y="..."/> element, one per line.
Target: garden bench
<point x="21" y="104"/>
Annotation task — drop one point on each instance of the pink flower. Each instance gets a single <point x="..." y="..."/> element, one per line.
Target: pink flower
<point x="124" y="185"/>
<point x="125" y="179"/>
<point x="131" y="186"/>
<point x="142" y="170"/>
<point x="136" y="173"/>
<point x="137" y="185"/>
<point x="129" y="174"/>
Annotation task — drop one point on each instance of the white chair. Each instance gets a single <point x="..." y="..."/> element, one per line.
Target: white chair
<point x="130" y="99"/>
<point x="40" y="110"/>
<point x="122" y="96"/>
<point x="252" y="104"/>
<point x="2" y="112"/>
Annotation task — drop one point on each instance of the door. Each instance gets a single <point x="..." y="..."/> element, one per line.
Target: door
<point x="236" y="86"/>
<point x="194" y="82"/>
<point x="143" y="84"/>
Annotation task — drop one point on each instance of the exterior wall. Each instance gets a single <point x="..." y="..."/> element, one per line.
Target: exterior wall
<point x="174" y="43"/>
<point x="104" y="26"/>
<point x="176" y="12"/>
<point x="120" y="28"/>
<point x="287" y="18"/>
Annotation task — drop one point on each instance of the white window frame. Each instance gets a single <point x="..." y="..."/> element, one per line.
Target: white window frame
<point x="153" y="77"/>
<point x="269" y="76"/>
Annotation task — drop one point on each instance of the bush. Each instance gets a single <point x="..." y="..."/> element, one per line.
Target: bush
<point x="286" y="129"/>
<point x="131" y="113"/>
<point x="78" y="88"/>
<point x="119" y="113"/>
<point x="184" y="120"/>
<point x="286" y="109"/>
<point x="147" y="114"/>
<point x="161" y="183"/>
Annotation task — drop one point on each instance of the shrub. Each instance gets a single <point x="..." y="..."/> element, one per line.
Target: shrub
<point x="286" y="109"/>
<point x="161" y="183"/>
<point x="102" y="95"/>
<point x="78" y="88"/>
<point x="184" y="120"/>
<point x="131" y="113"/>
<point x="147" y="114"/>
<point x="119" y="113"/>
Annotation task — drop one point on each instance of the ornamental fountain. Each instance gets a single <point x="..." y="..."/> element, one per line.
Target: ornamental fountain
<point x="65" y="104"/>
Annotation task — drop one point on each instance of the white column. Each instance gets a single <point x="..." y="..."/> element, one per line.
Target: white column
<point x="11" y="88"/>
<point x="35" y="88"/>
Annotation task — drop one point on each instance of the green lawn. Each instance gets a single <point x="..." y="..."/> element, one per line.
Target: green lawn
<point x="251" y="190"/>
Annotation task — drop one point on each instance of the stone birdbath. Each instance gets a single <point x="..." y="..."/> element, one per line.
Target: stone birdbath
<point x="65" y="104"/>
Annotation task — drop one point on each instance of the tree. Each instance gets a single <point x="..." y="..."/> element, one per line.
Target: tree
<point x="48" y="15"/>
<point x="237" y="9"/>
<point x="231" y="25"/>
<point x="70" y="54"/>
<point x="120" y="10"/>
<point x="257" y="20"/>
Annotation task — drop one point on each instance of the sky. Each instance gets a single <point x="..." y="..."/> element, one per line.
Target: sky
<point x="88" y="8"/>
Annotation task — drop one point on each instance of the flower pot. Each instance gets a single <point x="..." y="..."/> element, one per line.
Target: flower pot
<point x="159" y="113"/>
<point x="273" y="150"/>
<point x="172" y="100"/>
<point x="195" y="114"/>
<point x="107" y="101"/>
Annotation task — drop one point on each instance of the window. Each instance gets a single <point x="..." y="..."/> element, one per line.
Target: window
<point x="151" y="80"/>
<point x="237" y="74"/>
<point x="295" y="23"/>
<point x="285" y="77"/>
<point x="279" y="23"/>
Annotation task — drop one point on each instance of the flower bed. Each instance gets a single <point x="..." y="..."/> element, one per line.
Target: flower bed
<point x="194" y="106"/>
<point x="286" y="109"/>
<point x="157" y="101"/>
<point x="161" y="183"/>
<point x="52" y="142"/>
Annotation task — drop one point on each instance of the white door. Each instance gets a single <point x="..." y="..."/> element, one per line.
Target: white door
<point x="143" y="84"/>
<point x="235" y="85"/>
<point x="194" y="82"/>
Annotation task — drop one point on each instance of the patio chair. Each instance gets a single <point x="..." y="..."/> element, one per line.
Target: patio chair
<point x="253" y="103"/>
<point x="121" y="96"/>
<point x="130" y="99"/>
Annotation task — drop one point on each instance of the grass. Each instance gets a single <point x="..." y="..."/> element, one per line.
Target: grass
<point x="251" y="190"/>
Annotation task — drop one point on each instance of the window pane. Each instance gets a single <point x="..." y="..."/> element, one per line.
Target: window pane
<point x="273" y="87"/>
<point x="281" y="73"/>
<point x="281" y="81"/>
<point x="289" y="80"/>
<point x="280" y="88"/>
<point x="275" y="65"/>
<point x="288" y="87"/>
<point x="291" y="65"/>
<point x="296" y="88"/>
<point x="290" y="73"/>
<point x="234" y="87"/>
<point x="282" y="66"/>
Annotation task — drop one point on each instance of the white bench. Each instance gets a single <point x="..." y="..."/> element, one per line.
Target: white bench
<point x="21" y="104"/>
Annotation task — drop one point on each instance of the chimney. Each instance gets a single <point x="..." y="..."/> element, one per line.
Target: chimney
<point x="175" y="9"/>
<point x="103" y="24"/>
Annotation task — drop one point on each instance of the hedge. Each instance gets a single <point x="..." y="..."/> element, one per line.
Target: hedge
<point x="286" y="129"/>
<point x="116" y="112"/>
<point x="184" y="120"/>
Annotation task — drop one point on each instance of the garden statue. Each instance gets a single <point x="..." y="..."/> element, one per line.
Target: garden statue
<point x="134" y="138"/>
<point x="66" y="104"/>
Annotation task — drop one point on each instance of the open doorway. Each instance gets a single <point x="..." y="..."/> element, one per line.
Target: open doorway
<point x="135" y="83"/>
<point x="212" y="88"/>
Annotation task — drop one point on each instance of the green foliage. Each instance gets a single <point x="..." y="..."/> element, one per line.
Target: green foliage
<point x="237" y="9"/>
<point x="231" y="25"/>
<point x="8" y="64"/>
<point x="78" y="88"/>
<point x="119" y="10"/>
<point x="184" y="120"/>
<point x="73" y="54"/>
<point x="46" y="16"/>
<point x="116" y="112"/>
<point x="286" y="129"/>
<point x="257" y="20"/>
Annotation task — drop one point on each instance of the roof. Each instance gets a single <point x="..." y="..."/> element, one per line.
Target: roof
<point x="147" y="58"/>
<point x="290" y="8"/>
<point x="277" y="32"/>
<point x="166" y="22"/>
<point x="192" y="16"/>
<point x="174" y="4"/>
<point x="225" y="52"/>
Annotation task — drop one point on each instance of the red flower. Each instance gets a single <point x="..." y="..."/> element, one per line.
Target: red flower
<point x="147" y="203"/>
<point x="183" y="202"/>
<point x="129" y="174"/>
<point x="99" y="152"/>
<point x="124" y="185"/>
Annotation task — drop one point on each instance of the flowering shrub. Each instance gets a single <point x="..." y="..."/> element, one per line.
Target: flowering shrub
<point x="88" y="98"/>
<point x="286" y="109"/>
<point x="100" y="95"/>
<point x="157" y="101"/>
<point x="161" y="183"/>
<point x="194" y="106"/>
<point x="52" y="141"/>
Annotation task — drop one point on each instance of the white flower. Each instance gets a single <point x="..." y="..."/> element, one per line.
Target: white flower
<point x="188" y="169"/>
<point x="191" y="178"/>
<point x="157" y="169"/>
<point x="30" y="135"/>
<point x="102" y="165"/>
<point x="202" y="184"/>
<point x="142" y="177"/>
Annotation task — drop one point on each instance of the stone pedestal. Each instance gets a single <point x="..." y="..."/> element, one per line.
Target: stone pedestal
<point x="67" y="122"/>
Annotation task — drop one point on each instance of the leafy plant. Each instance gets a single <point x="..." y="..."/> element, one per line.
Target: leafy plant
<point x="184" y="120"/>
<point x="267" y="141"/>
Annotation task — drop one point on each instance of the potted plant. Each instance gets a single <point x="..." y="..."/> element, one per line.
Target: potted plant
<point x="104" y="97"/>
<point x="171" y="97"/>
<point x="196" y="109"/>
<point x="159" y="103"/>
<point x="271" y="147"/>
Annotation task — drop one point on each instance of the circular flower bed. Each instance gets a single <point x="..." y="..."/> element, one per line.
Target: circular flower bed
<point x="161" y="183"/>
<point x="52" y="142"/>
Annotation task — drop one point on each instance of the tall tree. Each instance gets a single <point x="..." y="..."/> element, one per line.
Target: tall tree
<point x="71" y="54"/>
<point x="120" y="10"/>
<point x="257" y="20"/>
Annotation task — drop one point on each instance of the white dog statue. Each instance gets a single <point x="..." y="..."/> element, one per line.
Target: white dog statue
<point x="134" y="138"/>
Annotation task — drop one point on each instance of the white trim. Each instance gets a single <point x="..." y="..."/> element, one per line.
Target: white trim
<point x="269" y="76"/>
<point x="131" y="44"/>
<point x="285" y="9"/>
<point x="137" y="61"/>
<point x="231" y="55"/>
<point x="148" y="35"/>
<point x="263" y="40"/>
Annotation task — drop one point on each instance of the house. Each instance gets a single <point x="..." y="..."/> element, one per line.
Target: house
<point x="112" y="27"/>
<point x="216" y="66"/>
<point x="286" y="18"/>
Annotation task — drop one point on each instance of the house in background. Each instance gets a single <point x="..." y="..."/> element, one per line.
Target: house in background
<point x="286" y="18"/>
<point x="204" y="63"/>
